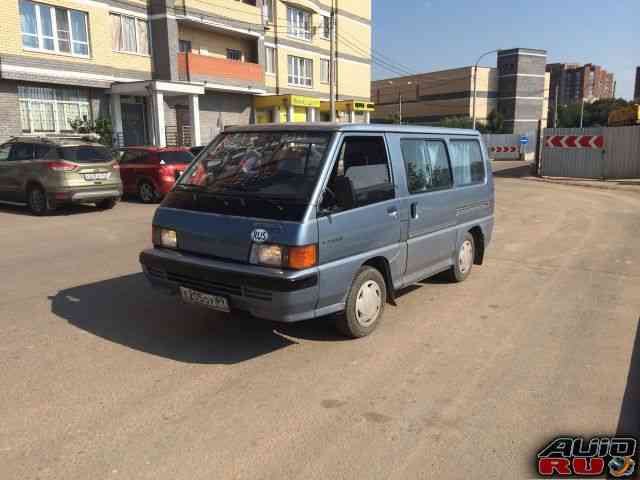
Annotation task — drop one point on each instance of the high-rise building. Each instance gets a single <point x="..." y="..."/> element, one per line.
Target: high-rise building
<point x="518" y="89"/>
<point x="177" y="71"/>
<point x="636" y="94"/>
<point x="574" y="83"/>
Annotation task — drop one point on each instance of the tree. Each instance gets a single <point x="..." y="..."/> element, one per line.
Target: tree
<point x="596" y="114"/>
<point x="102" y="127"/>
<point x="495" y="122"/>
<point x="456" y="122"/>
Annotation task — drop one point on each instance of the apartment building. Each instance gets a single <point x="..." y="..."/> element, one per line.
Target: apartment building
<point x="636" y="90"/>
<point x="178" y="71"/>
<point x="574" y="83"/>
<point x="518" y="88"/>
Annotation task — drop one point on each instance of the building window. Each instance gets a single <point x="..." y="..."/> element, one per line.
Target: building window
<point x="184" y="46"/>
<point x="270" y="55"/>
<point x="300" y="71"/>
<point x="324" y="70"/>
<point x="299" y="23"/>
<point x="52" y="110"/>
<point x="233" y="54"/>
<point x="54" y="29"/>
<point x="268" y="11"/>
<point x="325" y="31"/>
<point x="129" y="34"/>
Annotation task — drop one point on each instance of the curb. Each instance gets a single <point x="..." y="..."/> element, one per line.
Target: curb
<point x="573" y="183"/>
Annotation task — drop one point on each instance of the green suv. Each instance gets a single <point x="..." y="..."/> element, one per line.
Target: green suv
<point x="45" y="172"/>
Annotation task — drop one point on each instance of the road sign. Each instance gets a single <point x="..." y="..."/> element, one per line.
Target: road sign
<point x="524" y="140"/>
<point x="504" y="148"/>
<point x="575" y="141"/>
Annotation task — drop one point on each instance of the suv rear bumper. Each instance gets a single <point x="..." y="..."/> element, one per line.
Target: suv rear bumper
<point x="85" y="194"/>
<point x="279" y="296"/>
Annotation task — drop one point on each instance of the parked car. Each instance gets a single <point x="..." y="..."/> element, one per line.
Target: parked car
<point x="45" y="172"/>
<point x="322" y="219"/>
<point x="150" y="172"/>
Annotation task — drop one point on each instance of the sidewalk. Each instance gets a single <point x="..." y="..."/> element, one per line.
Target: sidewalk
<point x="522" y="170"/>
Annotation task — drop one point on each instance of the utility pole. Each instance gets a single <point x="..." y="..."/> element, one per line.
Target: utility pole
<point x="475" y="83"/>
<point x="581" y="112"/>
<point x="332" y="62"/>
<point x="400" y="102"/>
<point x="555" y="114"/>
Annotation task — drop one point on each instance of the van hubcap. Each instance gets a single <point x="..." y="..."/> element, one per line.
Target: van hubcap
<point x="368" y="303"/>
<point x="465" y="257"/>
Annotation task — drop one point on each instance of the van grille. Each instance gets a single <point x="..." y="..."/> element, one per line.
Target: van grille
<point x="205" y="285"/>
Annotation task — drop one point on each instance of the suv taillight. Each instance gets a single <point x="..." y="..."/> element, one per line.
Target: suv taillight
<point x="61" y="166"/>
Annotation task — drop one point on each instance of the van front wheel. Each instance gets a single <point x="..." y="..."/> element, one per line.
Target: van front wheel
<point x="464" y="259"/>
<point x="365" y="304"/>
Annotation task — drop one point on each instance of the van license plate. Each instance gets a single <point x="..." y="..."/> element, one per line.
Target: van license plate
<point x="215" y="302"/>
<point x="97" y="176"/>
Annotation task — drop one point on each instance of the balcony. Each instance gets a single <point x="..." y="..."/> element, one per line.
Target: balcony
<point x="220" y="73"/>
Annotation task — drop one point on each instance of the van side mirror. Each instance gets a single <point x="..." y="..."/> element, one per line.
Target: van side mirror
<point x="344" y="194"/>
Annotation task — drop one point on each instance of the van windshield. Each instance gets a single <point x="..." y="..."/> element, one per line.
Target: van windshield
<point x="279" y="165"/>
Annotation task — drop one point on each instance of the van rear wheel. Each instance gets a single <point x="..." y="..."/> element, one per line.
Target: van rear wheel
<point x="464" y="259"/>
<point x="365" y="304"/>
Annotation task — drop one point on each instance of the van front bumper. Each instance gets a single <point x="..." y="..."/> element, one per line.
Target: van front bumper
<point x="284" y="296"/>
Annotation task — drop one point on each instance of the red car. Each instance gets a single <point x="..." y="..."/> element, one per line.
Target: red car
<point x="150" y="172"/>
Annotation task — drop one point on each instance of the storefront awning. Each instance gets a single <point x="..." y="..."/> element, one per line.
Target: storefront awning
<point x="271" y="101"/>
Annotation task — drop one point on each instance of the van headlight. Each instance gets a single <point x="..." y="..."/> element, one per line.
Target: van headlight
<point x="283" y="256"/>
<point x="163" y="237"/>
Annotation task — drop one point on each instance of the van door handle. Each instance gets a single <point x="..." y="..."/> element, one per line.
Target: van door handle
<point x="414" y="210"/>
<point x="392" y="211"/>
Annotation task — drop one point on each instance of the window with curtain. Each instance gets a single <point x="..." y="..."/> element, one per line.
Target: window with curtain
<point x="52" y="110"/>
<point x="300" y="71"/>
<point x="54" y="29"/>
<point x="467" y="163"/>
<point x="427" y="165"/>
<point x="129" y="34"/>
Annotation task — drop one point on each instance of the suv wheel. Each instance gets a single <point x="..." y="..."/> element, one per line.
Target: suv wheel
<point x="147" y="192"/>
<point x="38" y="202"/>
<point x="464" y="259"/>
<point x="365" y="304"/>
<point x="107" y="203"/>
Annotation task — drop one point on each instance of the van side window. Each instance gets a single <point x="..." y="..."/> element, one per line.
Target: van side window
<point x="466" y="159"/>
<point x="363" y="162"/>
<point x="5" y="150"/>
<point x="427" y="165"/>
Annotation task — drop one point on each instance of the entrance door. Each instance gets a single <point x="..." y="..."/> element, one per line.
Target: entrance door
<point x="133" y="125"/>
<point x="432" y="208"/>
<point x="183" y="123"/>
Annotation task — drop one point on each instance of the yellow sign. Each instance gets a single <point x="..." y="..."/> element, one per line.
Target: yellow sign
<point x="300" y="101"/>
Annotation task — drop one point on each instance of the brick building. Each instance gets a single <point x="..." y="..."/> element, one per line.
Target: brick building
<point x="518" y="88"/>
<point x="575" y="83"/>
<point x="176" y="71"/>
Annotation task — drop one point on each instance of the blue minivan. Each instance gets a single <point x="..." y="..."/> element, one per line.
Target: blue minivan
<point x="296" y="221"/>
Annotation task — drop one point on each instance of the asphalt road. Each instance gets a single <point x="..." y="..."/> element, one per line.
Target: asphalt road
<point x="103" y="378"/>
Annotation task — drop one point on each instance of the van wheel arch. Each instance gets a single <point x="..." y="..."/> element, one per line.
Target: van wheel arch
<point x="382" y="265"/>
<point x="478" y="240"/>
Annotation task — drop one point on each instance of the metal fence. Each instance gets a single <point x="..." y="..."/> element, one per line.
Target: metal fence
<point x="507" y="146"/>
<point x="602" y="153"/>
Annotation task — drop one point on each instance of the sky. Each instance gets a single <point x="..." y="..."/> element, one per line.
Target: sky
<point x="429" y="35"/>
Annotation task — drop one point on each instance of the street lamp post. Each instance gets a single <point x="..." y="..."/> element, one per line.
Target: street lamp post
<point x="399" y="100"/>
<point x="475" y="82"/>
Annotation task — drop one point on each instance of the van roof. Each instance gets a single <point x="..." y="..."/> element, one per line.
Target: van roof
<point x="350" y="127"/>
